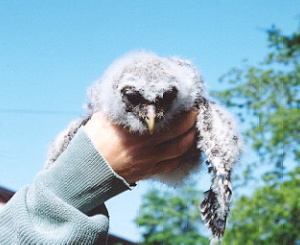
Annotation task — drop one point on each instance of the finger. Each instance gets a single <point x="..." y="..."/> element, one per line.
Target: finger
<point x="162" y="167"/>
<point x="167" y="165"/>
<point x="176" y="147"/>
<point x="178" y="127"/>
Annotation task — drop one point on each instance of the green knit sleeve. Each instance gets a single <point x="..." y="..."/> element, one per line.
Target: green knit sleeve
<point x="64" y="204"/>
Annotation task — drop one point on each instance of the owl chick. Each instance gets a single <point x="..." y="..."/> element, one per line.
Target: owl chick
<point x="145" y="93"/>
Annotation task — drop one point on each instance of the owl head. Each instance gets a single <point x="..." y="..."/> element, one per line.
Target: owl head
<point x="144" y="92"/>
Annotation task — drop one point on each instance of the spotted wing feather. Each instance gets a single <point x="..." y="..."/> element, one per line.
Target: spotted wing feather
<point x="220" y="141"/>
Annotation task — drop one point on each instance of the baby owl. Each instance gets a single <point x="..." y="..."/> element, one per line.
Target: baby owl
<point x="145" y="93"/>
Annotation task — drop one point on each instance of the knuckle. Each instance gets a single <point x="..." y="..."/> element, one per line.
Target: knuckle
<point x="167" y="165"/>
<point x="186" y="142"/>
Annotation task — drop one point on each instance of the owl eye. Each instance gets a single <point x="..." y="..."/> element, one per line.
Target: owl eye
<point x="132" y="96"/>
<point x="168" y="97"/>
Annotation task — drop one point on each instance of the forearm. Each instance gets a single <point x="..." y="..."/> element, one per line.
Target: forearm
<point x="65" y="203"/>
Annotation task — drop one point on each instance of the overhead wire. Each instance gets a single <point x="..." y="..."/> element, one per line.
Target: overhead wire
<point x="38" y="112"/>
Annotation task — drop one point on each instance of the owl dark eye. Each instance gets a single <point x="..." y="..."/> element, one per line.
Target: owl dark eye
<point x="132" y="96"/>
<point x="168" y="97"/>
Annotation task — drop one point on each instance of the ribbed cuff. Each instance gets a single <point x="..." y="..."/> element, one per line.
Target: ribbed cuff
<point x="81" y="176"/>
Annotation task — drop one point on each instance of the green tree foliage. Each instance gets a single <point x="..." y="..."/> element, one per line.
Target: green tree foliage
<point x="267" y="98"/>
<point x="171" y="217"/>
<point x="270" y="216"/>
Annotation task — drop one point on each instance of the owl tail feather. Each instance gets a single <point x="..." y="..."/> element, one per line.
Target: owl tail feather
<point x="216" y="205"/>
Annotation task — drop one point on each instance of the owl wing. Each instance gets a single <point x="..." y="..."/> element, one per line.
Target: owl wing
<point x="220" y="141"/>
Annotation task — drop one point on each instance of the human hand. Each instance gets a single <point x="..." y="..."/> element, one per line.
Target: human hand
<point x="135" y="157"/>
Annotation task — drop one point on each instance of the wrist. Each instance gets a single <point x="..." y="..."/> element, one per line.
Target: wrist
<point x="82" y="177"/>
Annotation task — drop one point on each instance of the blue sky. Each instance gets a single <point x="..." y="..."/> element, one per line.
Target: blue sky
<point x="51" y="51"/>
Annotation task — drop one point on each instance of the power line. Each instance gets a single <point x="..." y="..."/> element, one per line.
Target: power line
<point x="39" y="112"/>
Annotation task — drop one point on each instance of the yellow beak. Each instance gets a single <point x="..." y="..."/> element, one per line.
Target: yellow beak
<point x="150" y="117"/>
